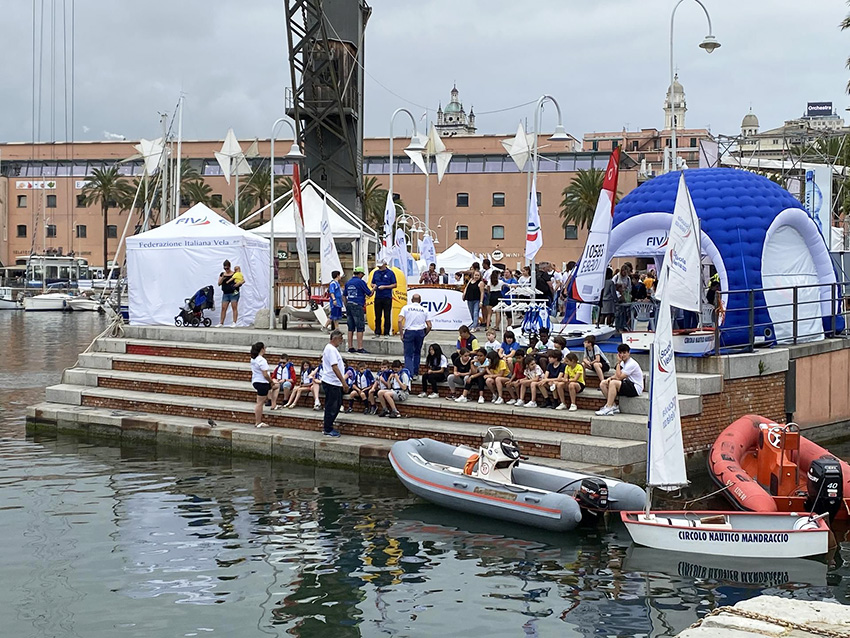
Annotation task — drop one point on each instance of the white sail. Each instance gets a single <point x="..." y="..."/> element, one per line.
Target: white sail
<point x="665" y="449"/>
<point x="590" y="271"/>
<point x="329" y="258"/>
<point x="683" y="286"/>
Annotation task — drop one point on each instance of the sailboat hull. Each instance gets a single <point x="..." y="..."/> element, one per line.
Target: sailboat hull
<point x="691" y="342"/>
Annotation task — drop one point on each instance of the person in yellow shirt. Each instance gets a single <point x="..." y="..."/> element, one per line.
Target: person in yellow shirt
<point x="573" y="379"/>
<point x="496" y="375"/>
<point x="238" y="278"/>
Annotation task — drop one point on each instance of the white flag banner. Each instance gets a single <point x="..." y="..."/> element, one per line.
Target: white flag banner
<point x="427" y="252"/>
<point x="682" y="288"/>
<point x="533" y="232"/>
<point x="666" y="452"/>
<point x="590" y="271"/>
<point x="329" y="257"/>
<point x="300" y="233"/>
<point x="385" y="251"/>
<point x="400" y="250"/>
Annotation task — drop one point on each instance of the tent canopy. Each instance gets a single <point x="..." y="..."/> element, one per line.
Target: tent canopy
<point x="455" y="258"/>
<point x="168" y="264"/>
<point x="344" y="224"/>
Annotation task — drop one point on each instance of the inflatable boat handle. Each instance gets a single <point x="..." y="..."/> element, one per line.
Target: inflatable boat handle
<point x="459" y="484"/>
<point x="532" y="499"/>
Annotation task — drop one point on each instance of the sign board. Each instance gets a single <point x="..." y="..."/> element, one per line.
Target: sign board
<point x="814" y="109"/>
<point x="35" y="185"/>
<point x="498" y="255"/>
<point x="818" y="199"/>
<point x="445" y="307"/>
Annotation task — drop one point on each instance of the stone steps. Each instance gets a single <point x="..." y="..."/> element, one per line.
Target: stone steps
<point x="557" y="445"/>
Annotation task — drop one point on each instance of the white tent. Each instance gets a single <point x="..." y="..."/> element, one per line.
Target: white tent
<point x="168" y="264"/>
<point x="344" y="224"/>
<point x="455" y="258"/>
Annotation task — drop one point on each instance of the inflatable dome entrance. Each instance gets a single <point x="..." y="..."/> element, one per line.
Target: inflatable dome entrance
<point x="757" y="235"/>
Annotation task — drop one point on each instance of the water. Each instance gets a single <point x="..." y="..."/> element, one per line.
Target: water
<point x="137" y="541"/>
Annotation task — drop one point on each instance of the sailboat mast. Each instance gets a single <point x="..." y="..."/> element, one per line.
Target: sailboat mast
<point x="178" y="174"/>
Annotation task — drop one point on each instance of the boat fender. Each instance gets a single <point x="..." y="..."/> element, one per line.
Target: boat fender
<point x="805" y="523"/>
<point x="470" y="464"/>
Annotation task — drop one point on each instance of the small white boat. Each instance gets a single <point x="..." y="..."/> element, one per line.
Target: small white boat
<point x="575" y="333"/>
<point x="691" y="342"/>
<point x="735" y="534"/>
<point x="47" y="301"/>
<point x="8" y="300"/>
<point x="85" y="302"/>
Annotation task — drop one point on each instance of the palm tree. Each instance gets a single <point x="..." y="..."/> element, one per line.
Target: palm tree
<point x="197" y="192"/>
<point x="845" y="24"/>
<point x="374" y="203"/>
<point x="579" y="203"/>
<point x="111" y="190"/>
<point x="259" y="189"/>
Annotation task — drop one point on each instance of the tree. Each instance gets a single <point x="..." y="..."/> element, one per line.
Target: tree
<point x="198" y="192"/>
<point x="111" y="190"/>
<point x="845" y="24"/>
<point x="374" y="203"/>
<point x="580" y="197"/>
<point x="258" y="188"/>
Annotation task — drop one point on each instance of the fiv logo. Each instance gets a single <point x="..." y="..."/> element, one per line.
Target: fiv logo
<point x="436" y="308"/>
<point x="657" y="241"/>
<point x="533" y="231"/>
<point x="193" y="221"/>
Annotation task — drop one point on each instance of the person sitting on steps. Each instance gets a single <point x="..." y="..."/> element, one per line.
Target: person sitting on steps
<point x="476" y="379"/>
<point x="627" y="381"/>
<point x="397" y="392"/>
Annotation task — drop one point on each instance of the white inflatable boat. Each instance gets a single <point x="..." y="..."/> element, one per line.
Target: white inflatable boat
<point x="494" y="481"/>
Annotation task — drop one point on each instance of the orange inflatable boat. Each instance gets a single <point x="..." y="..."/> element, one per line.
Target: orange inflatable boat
<point x="772" y="468"/>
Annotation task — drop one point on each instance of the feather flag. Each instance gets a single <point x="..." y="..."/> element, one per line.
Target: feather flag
<point x="300" y="235"/>
<point x="389" y="221"/>
<point x="328" y="254"/>
<point x="533" y="232"/>
<point x="682" y="287"/>
<point x="427" y="252"/>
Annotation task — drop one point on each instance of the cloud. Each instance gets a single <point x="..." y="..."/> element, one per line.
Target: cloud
<point x="605" y="62"/>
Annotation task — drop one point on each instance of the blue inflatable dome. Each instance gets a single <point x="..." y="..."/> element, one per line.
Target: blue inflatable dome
<point x="758" y="236"/>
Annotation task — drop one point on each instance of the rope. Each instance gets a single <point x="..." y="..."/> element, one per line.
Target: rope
<point x="788" y="624"/>
<point x="699" y="498"/>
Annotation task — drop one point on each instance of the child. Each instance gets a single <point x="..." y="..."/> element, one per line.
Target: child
<point x="509" y="345"/>
<point x="306" y="376"/>
<point x="437" y="366"/>
<point x="561" y="346"/>
<point x="335" y="292"/>
<point x="397" y="391"/>
<point x="238" y="278"/>
<point x="574" y="374"/>
<point x="284" y="374"/>
<point x="549" y="382"/>
<point x="544" y="341"/>
<point x="491" y="345"/>
<point x="465" y="340"/>
<point x="476" y="378"/>
<point x="533" y="374"/>
<point x="462" y="372"/>
<point x="627" y="381"/>
<point x="594" y="358"/>
<point x="496" y="376"/>
<point x="517" y="376"/>
<point x="360" y="389"/>
<point x="381" y="383"/>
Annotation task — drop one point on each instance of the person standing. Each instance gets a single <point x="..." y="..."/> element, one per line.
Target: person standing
<point x="356" y="291"/>
<point x="413" y="326"/>
<point x="473" y="295"/>
<point x="430" y="276"/>
<point x="262" y="381"/>
<point x="383" y="283"/>
<point x="333" y="382"/>
<point x="229" y="293"/>
<point x="335" y="293"/>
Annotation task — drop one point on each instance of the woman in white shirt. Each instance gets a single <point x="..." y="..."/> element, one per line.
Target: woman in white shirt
<point x="262" y="382"/>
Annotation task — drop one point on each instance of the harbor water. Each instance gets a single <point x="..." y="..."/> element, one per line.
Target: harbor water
<point x="110" y="540"/>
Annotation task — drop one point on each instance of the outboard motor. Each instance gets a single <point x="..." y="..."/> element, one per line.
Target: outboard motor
<point x="825" y="486"/>
<point x="592" y="497"/>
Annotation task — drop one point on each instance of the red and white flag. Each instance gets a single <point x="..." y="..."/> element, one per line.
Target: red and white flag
<point x="300" y="234"/>
<point x="533" y="232"/>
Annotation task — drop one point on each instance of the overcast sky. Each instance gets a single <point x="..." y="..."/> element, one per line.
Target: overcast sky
<point x="605" y="61"/>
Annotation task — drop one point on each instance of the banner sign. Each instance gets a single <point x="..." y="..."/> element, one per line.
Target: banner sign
<point x="445" y="307"/>
<point x="818" y="108"/>
<point x="818" y="199"/>
<point x="37" y="186"/>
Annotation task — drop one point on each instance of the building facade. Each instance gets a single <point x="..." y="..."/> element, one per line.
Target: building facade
<point x="453" y="121"/>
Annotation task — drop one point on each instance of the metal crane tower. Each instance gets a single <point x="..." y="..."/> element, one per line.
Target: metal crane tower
<point x="325" y="41"/>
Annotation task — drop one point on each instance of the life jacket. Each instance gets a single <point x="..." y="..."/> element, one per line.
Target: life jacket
<point x="470" y="464"/>
<point x="365" y="379"/>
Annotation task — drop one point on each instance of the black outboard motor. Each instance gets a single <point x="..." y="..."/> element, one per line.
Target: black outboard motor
<point x="825" y="486"/>
<point x="592" y="497"/>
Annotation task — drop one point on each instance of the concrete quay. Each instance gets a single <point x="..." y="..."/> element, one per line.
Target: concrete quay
<point x="774" y="616"/>
<point x="167" y="382"/>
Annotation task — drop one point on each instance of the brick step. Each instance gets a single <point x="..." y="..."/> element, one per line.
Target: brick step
<point x="688" y="383"/>
<point x="578" y="422"/>
<point x="277" y="442"/>
<point x="566" y="446"/>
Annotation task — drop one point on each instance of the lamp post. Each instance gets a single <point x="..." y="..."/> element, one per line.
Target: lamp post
<point x="294" y="154"/>
<point x="709" y="44"/>
<point x="560" y="135"/>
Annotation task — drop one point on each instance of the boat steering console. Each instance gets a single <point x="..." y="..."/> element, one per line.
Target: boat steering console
<point x="498" y="456"/>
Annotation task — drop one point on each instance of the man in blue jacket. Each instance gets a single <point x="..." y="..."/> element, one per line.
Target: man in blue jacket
<point x="355" y="292"/>
<point x="383" y="283"/>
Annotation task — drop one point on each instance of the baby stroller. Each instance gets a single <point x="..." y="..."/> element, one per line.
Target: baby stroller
<point x="192" y="312"/>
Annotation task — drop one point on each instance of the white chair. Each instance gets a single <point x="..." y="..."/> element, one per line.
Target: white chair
<point x="643" y="311"/>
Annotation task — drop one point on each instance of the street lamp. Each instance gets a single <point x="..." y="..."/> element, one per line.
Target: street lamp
<point x="708" y="44"/>
<point x="560" y="135"/>
<point x="415" y="145"/>
<point x="295" y="155"/>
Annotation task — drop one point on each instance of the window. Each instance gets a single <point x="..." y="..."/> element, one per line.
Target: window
<point x="51" y="230"/>
<point x="22" y="230"/>
<point x="667" y="142"/>
<point x="498" y="232"/>
<point x="462" y="200"/>
<point x="595" y="145"/>
<point x="614" y="144"/>
<point x="539" y="199"/>
<point x="81" y="231"/>
<point x="693" y="142"/>
<point x="81" y="201"/>
<point x="462" y="232"/>
<point x="51" y="201"/>
<point x="215" y="200"/>
<point x="112" y="232"/>
<point x="22" y="201"/>
<point x="635" y="145"/>
<point x="570" y="231"/>
<point x="498" y="199"/>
